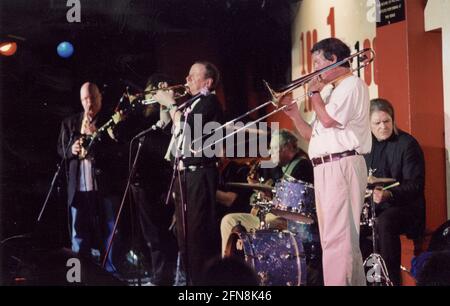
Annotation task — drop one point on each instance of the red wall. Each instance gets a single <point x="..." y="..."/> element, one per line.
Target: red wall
<point x="409" y="73"/>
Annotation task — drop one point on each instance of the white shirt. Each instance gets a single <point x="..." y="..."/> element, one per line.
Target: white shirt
<point x="176" y="133"/>
<point x="348" y="104"/>
<point x="86" y="181"/>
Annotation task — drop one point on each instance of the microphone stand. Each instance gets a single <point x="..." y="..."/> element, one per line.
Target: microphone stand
<point x="186" y="108"/>
<point x="47" y="198"/>
<point x="130" y="176"/>
<point x="55" y="176"/>
<point x="176" y="170"/>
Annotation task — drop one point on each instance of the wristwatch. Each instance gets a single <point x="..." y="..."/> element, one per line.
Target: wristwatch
<point x="312" y="93"/>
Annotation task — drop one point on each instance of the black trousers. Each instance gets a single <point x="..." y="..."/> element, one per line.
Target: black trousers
<point x="197" y="226"/>
<point x="155" y="219"/>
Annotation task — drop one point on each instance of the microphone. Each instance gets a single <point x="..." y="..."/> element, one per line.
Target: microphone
<point x="203" y="92"/>
<point x="158" y="125"/>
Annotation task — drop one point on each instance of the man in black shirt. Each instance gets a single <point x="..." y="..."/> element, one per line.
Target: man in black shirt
<point x="396" y="154"/>
<point x="197" y="227"/>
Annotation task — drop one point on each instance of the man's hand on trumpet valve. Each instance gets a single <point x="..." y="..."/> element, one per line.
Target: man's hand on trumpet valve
<point x="164" y="97"/>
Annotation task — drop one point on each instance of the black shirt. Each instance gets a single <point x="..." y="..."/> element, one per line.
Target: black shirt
<point x="400" y="157"/>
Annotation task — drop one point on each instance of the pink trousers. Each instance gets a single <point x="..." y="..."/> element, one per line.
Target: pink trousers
<point x="339" y="189"/>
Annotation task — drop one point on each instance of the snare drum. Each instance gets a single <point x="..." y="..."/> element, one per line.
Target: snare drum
<point x="294" y="200"/>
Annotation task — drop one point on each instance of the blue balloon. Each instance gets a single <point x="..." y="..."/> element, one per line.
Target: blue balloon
<point x="65" y="49"/>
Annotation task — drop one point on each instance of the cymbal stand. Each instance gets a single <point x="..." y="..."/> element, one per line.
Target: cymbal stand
<point x="378" y="272"/>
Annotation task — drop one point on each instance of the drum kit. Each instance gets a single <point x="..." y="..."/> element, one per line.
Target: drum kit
<point x="292" y="257"/>
<point x="281" y="257"/>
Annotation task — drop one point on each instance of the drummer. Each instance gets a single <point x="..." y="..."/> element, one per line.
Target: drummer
<point x="396" y="154"/>
<point x="291" y="162"/>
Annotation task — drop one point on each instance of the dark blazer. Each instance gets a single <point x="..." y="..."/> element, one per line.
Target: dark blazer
<point x="401" y="157"/>
<point x="211" y="111"/>
<point x="109" y="160"/>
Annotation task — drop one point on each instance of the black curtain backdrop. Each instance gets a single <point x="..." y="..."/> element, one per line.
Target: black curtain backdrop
<point x="117" y="43"/>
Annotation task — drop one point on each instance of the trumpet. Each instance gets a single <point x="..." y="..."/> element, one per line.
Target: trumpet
<point x="87" y="141"/>
<point x="276" y="96"/>
<point x="179" y="92"/>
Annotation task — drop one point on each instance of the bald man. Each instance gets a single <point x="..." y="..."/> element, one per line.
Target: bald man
<point x="93" y="185"/>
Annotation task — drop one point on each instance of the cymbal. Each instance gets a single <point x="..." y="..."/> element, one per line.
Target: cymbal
<point x="251" y="186"/>
<point x="379" y="180"/>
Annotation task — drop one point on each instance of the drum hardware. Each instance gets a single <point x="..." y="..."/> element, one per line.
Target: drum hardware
<point x="366" y="218"/>
<point x="261" y="187"/>
<point x="263" y="208"/>
<point x="379" y="180"/>
<point x="372" y="180"/>
<point x="374" y="260"/>
<point x="264" y="277"/>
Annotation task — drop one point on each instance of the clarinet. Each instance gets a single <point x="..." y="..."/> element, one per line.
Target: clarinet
<point x="87" y="141"/>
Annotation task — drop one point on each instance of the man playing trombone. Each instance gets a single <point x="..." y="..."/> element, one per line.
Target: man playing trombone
<point x="337" y="139"/>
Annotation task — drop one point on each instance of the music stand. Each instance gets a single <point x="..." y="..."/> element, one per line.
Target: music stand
<point x="374" y="260"/>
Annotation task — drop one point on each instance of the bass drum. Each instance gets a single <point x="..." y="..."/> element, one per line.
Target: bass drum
<point x="277" y="257"/>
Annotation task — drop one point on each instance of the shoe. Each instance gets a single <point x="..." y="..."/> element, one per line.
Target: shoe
<point x="148" y="284"/>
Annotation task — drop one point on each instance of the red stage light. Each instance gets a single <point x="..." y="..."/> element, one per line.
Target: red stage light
<point x="8" y="48"/>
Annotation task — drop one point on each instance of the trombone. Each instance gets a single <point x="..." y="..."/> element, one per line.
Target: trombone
<point x="363" y="60"/>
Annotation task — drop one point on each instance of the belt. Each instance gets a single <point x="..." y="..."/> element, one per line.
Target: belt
<point x="332" y="157"/>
